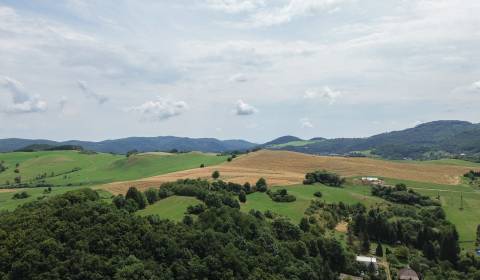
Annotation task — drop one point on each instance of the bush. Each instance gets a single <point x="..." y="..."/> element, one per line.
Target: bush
<point x="215" y="174"/>
<point x="136" y="196"/>
<point x="281" y="196"/>
<point x="151" y="195"/>
<point x="318" y="194"/>
<point x="196" y="209"/>
<point x="20" y="195"/>
<point x="242" y="197"/>
<point x="261" y="185"/>
<point x="323" y="177"/>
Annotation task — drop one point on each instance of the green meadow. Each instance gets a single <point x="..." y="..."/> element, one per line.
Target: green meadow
<point x="72" y="168"/>
<point x="8" y="203"/>
<point x="172" y="208"/>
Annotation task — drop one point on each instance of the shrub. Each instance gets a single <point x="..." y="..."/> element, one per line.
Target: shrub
<point x="261" y="185"/>
<point x="151" y="195"/>
<point x="281" y="196"/>
<point x="215" y="174"/>
<point x="20" y="195"/>
<point x="196" y="209"/>
<point x="323" y="177"/>
<point x="318" y="194"/>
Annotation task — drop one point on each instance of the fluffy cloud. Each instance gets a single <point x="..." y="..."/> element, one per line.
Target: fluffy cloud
<point x="244" y="109"/>
<point x="326" y="93"/>
<point x="306" y="123"/>
<point x="160" y="109"/>
<point x="89" y="93"/>
<point x="23" y="102"/>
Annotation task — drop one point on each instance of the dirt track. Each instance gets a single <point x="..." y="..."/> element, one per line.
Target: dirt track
<point x="287" y="168"/>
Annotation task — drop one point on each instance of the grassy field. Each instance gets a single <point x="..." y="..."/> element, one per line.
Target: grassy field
<point x="466" y="219"/>
<point x="172" y="208"/>
<point x="94" y="169"/>
<point x="350" y="194"/>
<point x="298" y="143"/>
<point x="7" y="203"/>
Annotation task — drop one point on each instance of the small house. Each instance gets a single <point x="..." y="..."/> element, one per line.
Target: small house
<point x="367" y="261"/>
<point x="407" y="274"/>
<point x="372" y="181"/>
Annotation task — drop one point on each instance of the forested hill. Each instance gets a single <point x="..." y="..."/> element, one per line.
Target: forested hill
<point x="142" y="144"/>
<point x="428" y="140"/>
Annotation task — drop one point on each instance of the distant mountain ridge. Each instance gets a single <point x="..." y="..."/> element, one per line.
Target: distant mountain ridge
<point x="425" y="141"/>
<point x="437" y="139"/>
<point x="142" y="144"/>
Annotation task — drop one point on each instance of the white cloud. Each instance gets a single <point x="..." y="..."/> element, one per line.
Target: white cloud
<point x="235" y="6"/>
<point x="244" y="109"/>
<point x="476" y="85"/>
<point x="89" y="93"/>
<point x="326" y="93"/>
<point x="294" y="8"/>
<point x="306" y="123"/>
<point x="160" y="109"/>
<point x="238" y="78"/>
<point x="23" y="102"/>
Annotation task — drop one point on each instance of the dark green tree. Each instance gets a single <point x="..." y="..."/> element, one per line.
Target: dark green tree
<point x="261" y="185"/>
<point x="242" y="197"/>
<point x="304" y="224"/>
<point x="379" y="250"/>
<point x="151" y="195"/>
<point x="215" y="174"/>
<point x="135" y="195"/>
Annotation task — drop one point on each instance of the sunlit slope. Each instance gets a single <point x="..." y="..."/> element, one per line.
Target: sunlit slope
<point x="63" y="168"/>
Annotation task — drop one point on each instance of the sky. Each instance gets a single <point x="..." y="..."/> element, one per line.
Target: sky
<point x="235" y="69"/>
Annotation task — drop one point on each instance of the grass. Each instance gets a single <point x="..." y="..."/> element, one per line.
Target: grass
<point x="298" y="143"/>
<point x="98" y="168"/>
<point x="465" y="220"/>
<point x="349" y="194"/>
<point x="7" y="203"/>
<point x="172" y="208"/>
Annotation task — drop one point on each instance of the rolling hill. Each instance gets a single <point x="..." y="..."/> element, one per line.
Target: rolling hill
<point x="431" y="140"/>
<point x="142" y="144"/>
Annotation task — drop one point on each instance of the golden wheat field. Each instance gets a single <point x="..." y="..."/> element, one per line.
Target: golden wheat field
<point x="288" y="168"/>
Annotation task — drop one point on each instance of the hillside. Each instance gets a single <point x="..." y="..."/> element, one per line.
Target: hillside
<point x="426" y="141"/>
<point x="72" y="168"/>
<point x="289" y="168"/>
<point x="142" y="144"/>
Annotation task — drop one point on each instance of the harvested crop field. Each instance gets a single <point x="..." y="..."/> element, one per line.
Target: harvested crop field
<point x="288" y="168"/>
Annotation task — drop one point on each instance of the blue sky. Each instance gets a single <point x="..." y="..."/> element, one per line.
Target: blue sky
<point x="250" y="69"/>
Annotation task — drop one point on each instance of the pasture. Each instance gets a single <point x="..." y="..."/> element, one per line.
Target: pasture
<point x="173" y="207"/>
<point x="282" y="168"/>
<point x="72" y="168"/>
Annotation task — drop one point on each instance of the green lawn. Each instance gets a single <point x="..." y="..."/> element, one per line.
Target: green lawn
<point x="299" y="143"/>
<point x="98" y="168"/>
<point x="172" y="208"/>
<point x="350" y="194"/>
<point x="7" y="203"/>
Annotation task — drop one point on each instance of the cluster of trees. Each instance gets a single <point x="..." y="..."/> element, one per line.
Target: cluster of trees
<point x="214" y="193"/>
<point x="281" y="196"/>
<point x="424" y="228"/>
<point x="400" y="194"/>
<point x="20" y="195"/>
<point x="77" y="236"/>
<point x="472" y="175"/>
<point x="323" y="177"/>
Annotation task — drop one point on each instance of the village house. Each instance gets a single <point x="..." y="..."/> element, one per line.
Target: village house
<point x="407" y="274"/>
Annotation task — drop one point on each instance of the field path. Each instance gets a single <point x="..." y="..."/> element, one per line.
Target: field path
<point x="288" y="168"/>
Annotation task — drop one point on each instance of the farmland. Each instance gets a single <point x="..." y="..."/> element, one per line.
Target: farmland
<point x="72" y="168"/>
<point x="289" y="168"/>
